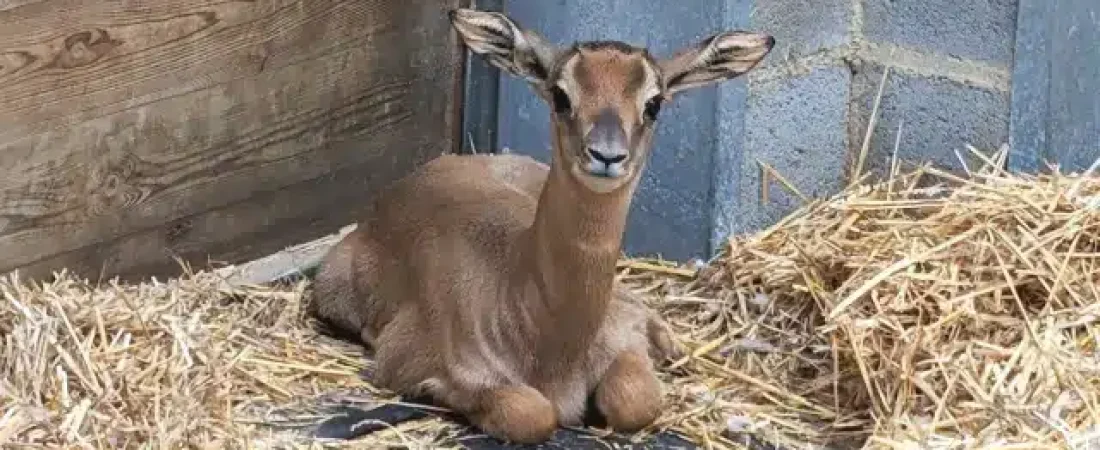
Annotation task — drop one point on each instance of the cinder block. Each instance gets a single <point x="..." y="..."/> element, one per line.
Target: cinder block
<point x="978" y="29"/>
<point x="801" y="29"/>
<point x="795" y="125"/>
<point x="938" y="117"/>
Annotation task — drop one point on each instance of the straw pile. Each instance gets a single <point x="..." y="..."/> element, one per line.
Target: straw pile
<point x="929" y="311"/>
<point x="926" y="312"/>
<point x="190" y="362"/>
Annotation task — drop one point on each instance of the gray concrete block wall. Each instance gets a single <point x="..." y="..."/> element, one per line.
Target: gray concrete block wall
<point x="948" y="87"/>
<point x="801" y="30"/>
<point x="980" y="30"/>
<point x="936" y="116"/>
<point x="796" y="125"/>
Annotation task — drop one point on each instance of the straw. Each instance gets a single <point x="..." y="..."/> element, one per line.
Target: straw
<point x="185" y="362"/>
<point x="961" y="314"/>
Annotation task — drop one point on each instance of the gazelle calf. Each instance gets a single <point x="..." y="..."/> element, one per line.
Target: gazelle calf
<point x="487" y="282"/>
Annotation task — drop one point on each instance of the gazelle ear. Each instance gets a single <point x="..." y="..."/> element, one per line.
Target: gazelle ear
<point x="504" y="44"/>
<point x="718" y="58"/>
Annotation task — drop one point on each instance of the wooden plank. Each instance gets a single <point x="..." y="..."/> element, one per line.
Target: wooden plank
<point x="59" y="71"/>
<point x="12" y="4"/>
<point x="1056" y="77"/>
<point x="261" y="225"/>
<point x="301" y="260"/>
<point x="177" y="139"/>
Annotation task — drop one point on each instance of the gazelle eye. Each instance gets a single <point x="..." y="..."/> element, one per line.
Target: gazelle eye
<point x="560" y="100"/>
<point x="653" y="107"/>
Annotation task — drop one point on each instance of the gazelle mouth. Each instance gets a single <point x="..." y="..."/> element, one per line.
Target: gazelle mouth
<point x="600" y="170"/>
<point x="601" y="178"/>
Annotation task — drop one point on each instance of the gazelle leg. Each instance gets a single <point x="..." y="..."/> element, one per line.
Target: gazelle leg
<point x="629" y="394"/>
<point x="518" y="414"/>
<point x="627" y="306"/>
<point x="662" y="349"/>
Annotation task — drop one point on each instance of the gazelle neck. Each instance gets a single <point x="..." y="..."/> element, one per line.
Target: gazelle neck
<point x="575" y="243"/>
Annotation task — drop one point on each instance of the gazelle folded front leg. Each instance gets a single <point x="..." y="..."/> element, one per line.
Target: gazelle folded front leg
<point x="515" y="413"/>
<point x="629" y="394"/>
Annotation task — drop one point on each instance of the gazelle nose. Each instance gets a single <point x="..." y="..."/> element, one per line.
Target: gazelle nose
<point x="605" y="158"/>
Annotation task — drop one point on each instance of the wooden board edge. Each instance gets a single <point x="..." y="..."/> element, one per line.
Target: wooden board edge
<point x="294" y="262"/>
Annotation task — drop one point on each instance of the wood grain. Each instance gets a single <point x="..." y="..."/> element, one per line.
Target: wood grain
<point x="131" y="131"/>
<point x="118" y="56"/>
<point x="261" y="225"/>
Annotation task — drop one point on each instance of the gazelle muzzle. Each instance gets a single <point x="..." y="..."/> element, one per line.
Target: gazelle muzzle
<point x="606" y="146"/>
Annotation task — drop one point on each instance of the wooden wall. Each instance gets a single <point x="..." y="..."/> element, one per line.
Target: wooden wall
<point x="134" y="131"/>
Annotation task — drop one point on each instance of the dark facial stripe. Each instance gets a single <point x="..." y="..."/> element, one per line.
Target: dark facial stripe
<point x="582" y="76"/>
<point x="559" y="63"/>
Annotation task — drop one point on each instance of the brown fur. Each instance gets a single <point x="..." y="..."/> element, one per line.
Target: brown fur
<point x="487" y="282"/>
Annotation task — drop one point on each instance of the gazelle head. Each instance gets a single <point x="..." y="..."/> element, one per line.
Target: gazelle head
<point x="605" y="96"/>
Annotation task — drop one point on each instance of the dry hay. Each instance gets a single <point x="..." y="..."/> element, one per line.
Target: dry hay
<point x="190" y="362"/>
<point x="957" y="315"/>
<point x="929" y="311"/>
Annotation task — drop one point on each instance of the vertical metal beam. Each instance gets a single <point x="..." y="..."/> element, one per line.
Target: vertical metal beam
<point x="1030" y="94"/>
<point x="1055" y="108"/>
<point x="481" y="94"/>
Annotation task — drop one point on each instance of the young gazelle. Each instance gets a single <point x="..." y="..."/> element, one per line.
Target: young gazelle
<point x="487" y="282"/>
